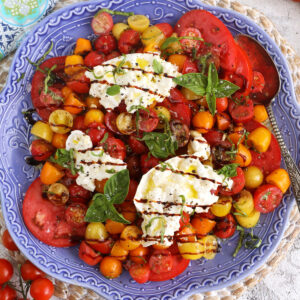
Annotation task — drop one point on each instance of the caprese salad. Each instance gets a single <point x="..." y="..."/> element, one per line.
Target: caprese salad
<point x="151" y="146"/>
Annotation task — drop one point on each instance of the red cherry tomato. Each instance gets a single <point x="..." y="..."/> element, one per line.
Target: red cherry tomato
<point x="225" y="228"/>
<point x="267" y="197"/>
<point x="189" y="44"/>
<point x="102" y="23"/>
<point x="6" y="270"/>
<point x="133" y="166"/>
<point x="97" y="133"/>
<point x="221" y="104"/>
<point x="147" y="120"/>
<point x="79" y="83"/>
<point x="112" y="55"/>
<point x="41" y="289"/>
<point x="165" y="28"/>
<point x="41" y="150"/>
<point x="129" y="39"/>
<point x="189" y="66"/>
<point x="140" y="273"/>
<point x="137" y="146"/>
<point x="213" y="31"/>
<point x="8" y="242"/>
<point x="30" y="272"/>
<point x="161" y="261"/>
<point x="115" y="147"/>
<point x="88" y="254"/>
<point x="79" y="194"/>
<point x="242" y="110"/>
<point x="238" y="183"/>
<point x="7" y="293"/>
<point x="213" y="137"/>
<point x="78" y="123"/>
<point x="105" y="43"/>
<point x="148" y="162"/>
<point x="94" y="58"/>
<point x="110" y="121"/>
<point x="184" y="220"/>
<point x="103" y="247"/>
<point x="258" y="83"/>
<point x="132" y="189"/>
<point x="75" y="214"/>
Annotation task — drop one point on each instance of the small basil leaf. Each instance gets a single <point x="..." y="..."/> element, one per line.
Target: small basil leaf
<point x="229" y="170"/>
<point x="116" y="187"/>
<point x="157" y="67"/>
<point x="168" y="41"/>
<point x="115" y="216"/>
<point x="196" y="82"/>
<point x="113" y="90"/>
<point x="225" y="88"/>
<point x="211" y="102"/>
<point x="98" y="210"/>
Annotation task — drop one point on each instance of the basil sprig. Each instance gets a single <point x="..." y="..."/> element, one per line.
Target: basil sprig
<point x="115" y="12"/>
<point x="209" y="86"/>
<point x="65" y="158"/>
<point x="174" y="39"/>
<point x="115" y="192"/>
<point x="228" y="170"/>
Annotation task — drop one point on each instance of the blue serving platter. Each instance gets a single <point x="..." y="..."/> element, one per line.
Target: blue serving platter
<point x="63" y="28"/>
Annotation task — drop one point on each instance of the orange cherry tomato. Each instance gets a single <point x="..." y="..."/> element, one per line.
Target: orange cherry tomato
<point x="178" y="60"/>
<point x="73" y="104"/>
<point x="110" y="267"/>
<point x="260" y="113"/>
<point x="139" y="254"/>
<point x="203" y="121"/>
<point x="237" y="135"/>
<point x="243" y="156"/>
<point x="280" y="178"/>
<point x="223" y="121"/>
<point x="50" y="174"/>
<point x="59" y="140"/>
<point x="203" y="226"/>
<point x="187" y="234"/>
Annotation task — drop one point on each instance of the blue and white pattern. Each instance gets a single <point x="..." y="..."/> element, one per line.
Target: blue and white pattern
<point x="17" y="17"/>
<point x="63" y="28"/>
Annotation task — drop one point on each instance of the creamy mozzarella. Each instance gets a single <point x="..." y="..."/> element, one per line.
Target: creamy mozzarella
<point x="92" y="163"/>
<point x="181" y="184"/>
<point x="139" y="84"/>
<point x="198" y="145"/>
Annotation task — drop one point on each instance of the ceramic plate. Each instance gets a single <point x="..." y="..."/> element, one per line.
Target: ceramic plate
<point x="63" y="28"/>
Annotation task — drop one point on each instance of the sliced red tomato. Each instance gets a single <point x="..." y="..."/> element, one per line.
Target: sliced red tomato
<point x="225" y="227"/>
<point x="115" y="147"/>
<point x="97" y="133"/>
<point x="140" y="272"/>
<point x="148" y="162"/>
<point x="179" y="264"/>
<point x="213" y="31"/>
<point x="165" y="28"/>
<point x="129" y="39"/>
<point x="78" y="123"/>
<point x="258" y="83"/>
<point x="41" y="150"/>
<point x="161" y="261"/>
<point x="267" y="197"/>
<point x="147" y="120"/>
<point x="94" y="58"/>
<point x="46" y="221"/>
<point x="262" y="63"/>
<point x="189" y="44"/>
<point x="88" y="254"/>
<point x="238" y="184"/>
<point x="45" y="108"/>
<point x="242" y="110"/>
<point x="112" y="55"/>
<point x="110" y="121"/>
<point x="79" y="83"/>
<point x="102" y="23"/>
<point x="137" y="146"/>
<point x="103" y="247"/>
<point x="79" y="194"/>
<point x="221" y="104"/>
<point x="189" y="66"/>
<point x="267" y="161"/>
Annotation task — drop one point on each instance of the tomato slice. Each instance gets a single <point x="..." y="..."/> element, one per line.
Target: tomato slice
<point x="267" y="197"/>
<point x="225" y="228"/>
<point x="116" y="148"/>
<point x="140" y="273"/>
<point x="213" y="31"/>
<point x="147" y="120"/>
<point x="242" y="110"/>
<point x="258" y="82"/>
<point x="178" y="266"/>
<point x="161" y="261"/>
<point x="45" y="108"/>
<point x="88" y="254"/>
<point x="46" y="221"/>
<point x="267" y="161"/>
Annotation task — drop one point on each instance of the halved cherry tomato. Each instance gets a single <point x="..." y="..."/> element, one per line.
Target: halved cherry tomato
<point x="110" y="121"/>
<point x="203" y="226"/>
<point x="88" y="254"/>
<point x="102" y="23"/>
<point x="140" y="272"/>
<point x="147" y="120"/>
<point x="103" y="247"/>
<point x="213" y="31"/>
<point x="165" y="28"/>
<point x="94" y="58"/>
<point x="267" y="161"/>
<point x="225" y="227"/>
<point x="189" y="67"/>
<point x="45" y="105"/>
<point x="190" y="44"/>
<point x="223" y="121"/>
<point x="97" y="133"/>
<point x="238" y="183"/>
<point x="129" y="39"/>
<point x="213" y="137"/>
<point x="242" y="110"/>
<point x="137" y="146"/>
<point x="115" y="147"/>
<point x="79" y="194"/>
<point x="148" y="162"/>
<point x="37" y="212"/>
<point x="75" y="214"/>
<point x="79" y="83"/>
<point x="105" y="43"/>
<point x="41" y="150"/>
<point x="221" y="104"/>
<point x="30" y="272"/>
<point x="161" y="261"/>
<point x="267" y="197"/>
<point x="258" y="83"/>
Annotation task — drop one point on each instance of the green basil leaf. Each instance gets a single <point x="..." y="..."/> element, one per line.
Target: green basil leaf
<point x="240" y="242"/>
<point x="116" y="12"/>
<point x="99" y="209"/>
<point x="113" y="90"/>
<point x="212" y="75"/>
<point x="168" y="41"/>
<point x="115" y="216"/>
<point x="225" y="88"/>
<point x="229" y="170"/>
<point x="157" y="66"/>
<point x="116" y="187"/>
<point x="196" y="82"/>
<point x="211" y="102"/>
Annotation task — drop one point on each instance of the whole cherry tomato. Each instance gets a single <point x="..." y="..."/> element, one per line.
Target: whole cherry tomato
<point x="30" y="272"/>
<point x="225" y="228"/>
<point x="7" y="293"/>
<point x="94" y="58"/>
<point x="41" y="289"/>
<point x="105" y="43"/>
<point x="8" y="242"/>
<point x="6" y="270"/>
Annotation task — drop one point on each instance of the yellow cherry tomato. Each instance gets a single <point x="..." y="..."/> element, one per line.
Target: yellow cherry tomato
<point x="244" y="205"/>
<point x="260" y="139"/>
<point x="222" y="207"/>
<point x="95" y="232"/>
<point x="210" y="245"/>
<point x="280" y="178"/>
<point x="260" y="113"/>
<point x="248" y="221"/>
<point x="152" y="35"/>
<point x="138" y="23"/>
<point x="93" y="115"/>
<point x="61" y="121"/>
<point x="253" y="177"/>
<point x="42" y="130"/>
<point x="118" y="29"/>
<point x="191" y="250"/>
